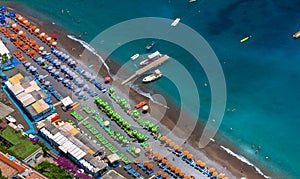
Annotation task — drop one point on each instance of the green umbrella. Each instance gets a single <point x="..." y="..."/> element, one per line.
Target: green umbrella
<point x="111" y="90"/>
<point x="140" y="136"/>
<point x="150" y="125"/>
<point x="125" y="141"/>
<point x="118" y="134"/>
<point x="121" y="137"/>
<point x="127" y="106"/>
<point x="128" y="126"/>
<point x="154" y="129"/>
<point x="135" y="132"/>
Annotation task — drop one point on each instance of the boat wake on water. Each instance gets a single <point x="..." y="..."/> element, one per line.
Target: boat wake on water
<point x="89" y="48"/>
<point x="243" y="159"/>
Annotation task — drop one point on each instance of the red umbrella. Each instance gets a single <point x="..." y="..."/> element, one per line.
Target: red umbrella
<point x="54" y="36"/>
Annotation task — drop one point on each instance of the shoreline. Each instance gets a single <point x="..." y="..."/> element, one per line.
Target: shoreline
<point x="213" y="151"/>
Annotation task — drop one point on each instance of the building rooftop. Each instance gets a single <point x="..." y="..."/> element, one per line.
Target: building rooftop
<point x="9" y="168"/>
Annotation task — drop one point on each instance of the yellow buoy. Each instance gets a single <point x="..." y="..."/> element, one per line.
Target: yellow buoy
<point x="245" y="39"/>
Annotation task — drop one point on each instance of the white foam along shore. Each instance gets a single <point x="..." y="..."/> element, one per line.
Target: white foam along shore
<point x="89" y="48"/>
<point x="243" y="159"/>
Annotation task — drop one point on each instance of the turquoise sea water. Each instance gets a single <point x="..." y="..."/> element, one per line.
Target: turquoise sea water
<point x="262" y="74"/>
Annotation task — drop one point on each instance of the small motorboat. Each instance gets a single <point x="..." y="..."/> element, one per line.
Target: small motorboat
<point x="135" y="56"/>
<point x="148" y="47"/>
<point x="296" y="35"/>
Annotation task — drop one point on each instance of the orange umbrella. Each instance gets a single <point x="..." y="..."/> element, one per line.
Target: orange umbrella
<point x="221" y="175"/>
<point x="171" y="144"/>
<point x="185" y="152"/>
<point x="27" y="24"/>
<point x="45" y="36"/>
<point x="159" y="173"/>
<point x="177" y="171"/>
<point x="155" y="154"/>
<point x="33" y="42"/>
<point x="146" y="164"/>
<point x="138" y="161"/>
<point x="168" y="141"/>
<point x="148" y="149"/>
<point x="176" y="147"/>
<point x="169" y="165"/>
<point x="163" y="138"/>
<point x="11" y="23"/>
<point x="181" y="174"/>
<point x="198" y="162"/>
<point x="150" y="166"/>
<point x="189" y="156"/>
<point x="164" y="175"/>
<point x="24" y="34"/>
<point x="203" y="164"/>
<point x="173" y="168"/>
<point x="159" y="158"/>
<point x="164" y="161"/>
<point x="211" y="170"/>
<point x="187" y="177"/>
<point x="179" y="149"/>
<point x="215" y="174"/>
<point x="18" y="15"/>
<point x="226" y="178"/>
<point x="33" y="27"/>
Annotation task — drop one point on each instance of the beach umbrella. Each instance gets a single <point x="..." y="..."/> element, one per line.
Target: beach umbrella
<point x="173" y="168"/>
<point x="181" y="174"/>
<point x="189" y="156"/>
<point x="47" y="83"/>
<point x="41" y="48"/>
<point x="155" y="154"/>
<point x="226" y="178"/>
<point x="171" y="144"/>
<point x="185" y="152"/>
<point x="215" y="174"/>
<point x="160" y="158"/>
<point x="54" y="43"/>
<point x="20" y="32"/>
<point x="159" y="173"/>
<point x="54" y="36"/>
<point x="19" y="18"/>
<point x="145" y="108"/>
<point x="48" y="38"/>
<point x="148" y="149"/>
<point x="27" y="24"/>
<point x="168" y="141"/>
<point x="150" y="166"/>
<point x="25" y="21"/>
<point x="221" y="175"/>
<point x="14" y="25"/>
<point x="164" y="138"/>
<point x="27" y="64"/>
<point x="169" y="165"/>
<point x="137" y="151"/>
<point x="202" y="164"/>
<point x="42" y="34"/>
<point x="37" y="30"/>
<point x="211" y="170"/>
<point x="164" y="161"/>
<point x="138" y="161"/>
<point x="106" y="123"/>
<point x="165" y="175"/>
<point x="33" y="27"/>
<point x="176" y="147"/>
<point x="198" y="162"/>
<point x="177" y="171"/>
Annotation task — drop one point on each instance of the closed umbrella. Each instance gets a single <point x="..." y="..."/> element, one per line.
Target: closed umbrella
<point x="25" y="21"/>
<point x="14" y="25"/>
<point x="37" y="30"/>
<point x="41" y="48"/>
<point x="20" y="32"/>
<point x="47" y="83"/>
<point x="54" y="43"/>
<point x="48" y="38"/>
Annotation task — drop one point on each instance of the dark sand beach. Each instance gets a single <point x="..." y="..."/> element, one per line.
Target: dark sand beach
<point x="213" y="150"/>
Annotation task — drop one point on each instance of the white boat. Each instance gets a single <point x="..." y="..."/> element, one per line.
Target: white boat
<point x="175" y="22"/>
<point x="157" y="74"/>
<point x="135" y="56"/>
<point x="192" y="1"/>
